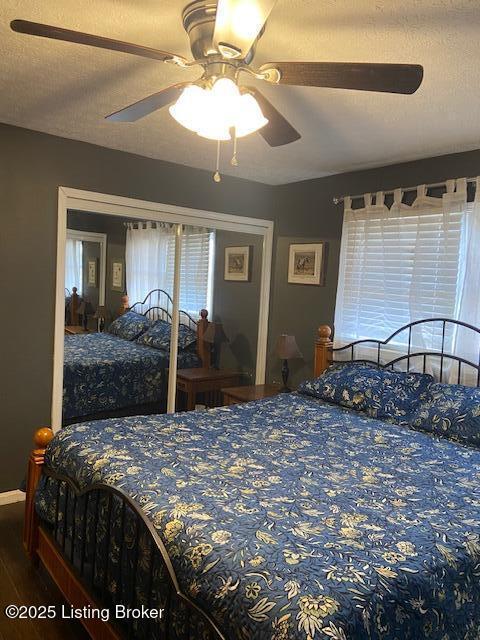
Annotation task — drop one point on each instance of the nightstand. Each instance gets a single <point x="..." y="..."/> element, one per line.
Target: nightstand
<point x="207" y="381"/>
<point x="74" y="330"/>
<point x="235" y="395"/>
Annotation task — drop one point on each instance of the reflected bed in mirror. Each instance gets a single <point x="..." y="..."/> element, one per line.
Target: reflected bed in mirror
<point x="123" y="371"/>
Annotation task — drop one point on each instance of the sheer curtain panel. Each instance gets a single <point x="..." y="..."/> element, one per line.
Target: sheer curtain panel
<point x="73" y="265"/>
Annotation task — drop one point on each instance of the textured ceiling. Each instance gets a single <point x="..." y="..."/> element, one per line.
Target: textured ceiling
<point x="66" y="89"/>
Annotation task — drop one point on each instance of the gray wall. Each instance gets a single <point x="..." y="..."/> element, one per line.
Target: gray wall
<point x="306" y="209"/>
<point x="90" y="293"/>
<point x="236" y="304"/>
<point x="115" y="230"/>
<point x="38" y="164"/>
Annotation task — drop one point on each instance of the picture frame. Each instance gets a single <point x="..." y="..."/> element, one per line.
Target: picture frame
<point x="92" y="273"/>
<point x="237" y="264"/>
<point x="118" y="275"/>
<point x="306" y="263"/>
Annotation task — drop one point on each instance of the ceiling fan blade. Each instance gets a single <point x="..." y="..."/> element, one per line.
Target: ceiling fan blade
<point x="57" y="33"/>
<point x="148" y="105"/>
<point x="238" y="24"/>
<point x="278" y="131"/>
<point x="389" y="78"/>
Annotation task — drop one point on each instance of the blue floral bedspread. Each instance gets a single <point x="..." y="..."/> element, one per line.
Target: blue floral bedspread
<point x="103" y="372"/>
<point x="289" y="518"/>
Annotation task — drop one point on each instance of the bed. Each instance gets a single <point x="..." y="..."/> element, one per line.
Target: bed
<point x="286" y="518"/>
<point x="107" y="375"/>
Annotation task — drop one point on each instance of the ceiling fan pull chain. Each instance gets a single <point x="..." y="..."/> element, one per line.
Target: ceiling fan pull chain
<point x="216" y="176"/>
<point x="234" y="161"/>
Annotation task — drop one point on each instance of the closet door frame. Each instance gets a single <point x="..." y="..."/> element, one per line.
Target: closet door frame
<point x="92" y="202"/>
<point x="101" y="239"/>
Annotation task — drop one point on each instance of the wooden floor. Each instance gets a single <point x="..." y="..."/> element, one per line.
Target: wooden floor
<point x="22" y="584"/>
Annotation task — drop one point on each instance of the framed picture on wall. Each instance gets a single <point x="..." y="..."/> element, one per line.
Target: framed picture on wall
<point x="306" y="263"/>
<point x="118" y="275"/>
<point x="237" y="261"/>
<point x="92" y="273"/>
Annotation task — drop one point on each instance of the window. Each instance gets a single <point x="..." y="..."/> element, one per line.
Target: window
<point x="73" y="265"/>
<point x="150" y="257"/>
<point x="398" y="265"/>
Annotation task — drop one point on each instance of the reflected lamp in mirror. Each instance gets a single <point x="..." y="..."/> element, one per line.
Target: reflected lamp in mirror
<point x="100" y="317"/>
<point x="215" y="336"/>
<point x="287" y="349"/>
<point x="84" y="310"/>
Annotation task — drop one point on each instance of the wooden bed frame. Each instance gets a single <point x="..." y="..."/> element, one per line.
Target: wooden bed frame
<point x="71" y="312"/>
<point x="41" y="546"/>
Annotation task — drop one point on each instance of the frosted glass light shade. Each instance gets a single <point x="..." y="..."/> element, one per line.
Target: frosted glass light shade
<point x="212" y="113"/>
<point x="249" y="116"/>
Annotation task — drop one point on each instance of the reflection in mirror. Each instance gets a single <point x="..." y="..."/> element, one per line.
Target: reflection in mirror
<point x="119" y="318"/>
<point x="84" y="279"/>
<point x="231" y="332"/>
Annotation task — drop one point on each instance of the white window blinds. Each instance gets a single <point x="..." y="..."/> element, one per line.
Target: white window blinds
<point x="398" y="265"/>
<point x="196" y="273"/>
<point x="150" y="258"/>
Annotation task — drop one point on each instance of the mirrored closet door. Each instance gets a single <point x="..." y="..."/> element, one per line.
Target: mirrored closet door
<point x="161" y="311"/>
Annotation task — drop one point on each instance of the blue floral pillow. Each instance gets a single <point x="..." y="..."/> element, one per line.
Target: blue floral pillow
<point x="380" y="393"/>
<point x="158" y="336"/>
<point x="453" y="412"/>
<point x="129" y="325"/>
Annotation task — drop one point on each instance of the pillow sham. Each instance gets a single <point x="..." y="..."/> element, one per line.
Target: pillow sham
<point x="380" y="393"/>
<point x="452" y="411"/>
<point x="129" y="325"/>
<point x="158" y="336"/>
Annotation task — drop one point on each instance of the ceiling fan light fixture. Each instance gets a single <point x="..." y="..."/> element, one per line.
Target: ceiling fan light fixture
<point x="211" y="113"/>
<point x="249" y="116"/>
<point x="190" y="107"/>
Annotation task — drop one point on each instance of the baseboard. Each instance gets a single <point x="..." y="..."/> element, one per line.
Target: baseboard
<point x="9" y="497"/>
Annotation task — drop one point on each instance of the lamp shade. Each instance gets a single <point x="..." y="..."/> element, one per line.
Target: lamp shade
<point x="85" y="308"/>
<point x="101" y="312"/>
<point x="215" y="333"/>
<point x="287" y="347"/>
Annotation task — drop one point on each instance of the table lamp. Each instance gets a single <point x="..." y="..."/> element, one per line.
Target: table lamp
<point x="100" y="315"/>
<point x="286" y="350"/>
<point x="85" y="309"/>
<point x="215" y="336"/>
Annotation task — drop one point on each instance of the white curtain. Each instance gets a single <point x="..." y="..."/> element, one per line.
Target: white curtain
<point x="467" y="342"/>
<point x="150" y="247"/>
<point x="408" y="263"/>
<point x="150" y="257"/>
<point x="74" y="265"/>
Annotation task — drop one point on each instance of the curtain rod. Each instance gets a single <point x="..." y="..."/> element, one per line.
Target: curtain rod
<point x="390" y="192"/>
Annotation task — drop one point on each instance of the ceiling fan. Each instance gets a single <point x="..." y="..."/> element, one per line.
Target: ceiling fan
<point x="223" y="37"/>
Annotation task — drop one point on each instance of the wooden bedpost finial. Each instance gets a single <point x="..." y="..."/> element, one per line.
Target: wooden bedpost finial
<point x="203" y="348"/>
<point x="124" y="305"/>
<point x="42" y="437"/>
<point x="323" y="349"/>
<point x="324" y="333"/>
<point x="34" y="470"/>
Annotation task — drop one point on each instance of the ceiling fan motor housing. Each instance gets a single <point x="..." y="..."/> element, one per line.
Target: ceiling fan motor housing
<point x="199" y="23"/>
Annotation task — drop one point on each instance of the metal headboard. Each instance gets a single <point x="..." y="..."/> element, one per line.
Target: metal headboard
<point x="158" y="305"/>
<point x="441" y="355"/>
